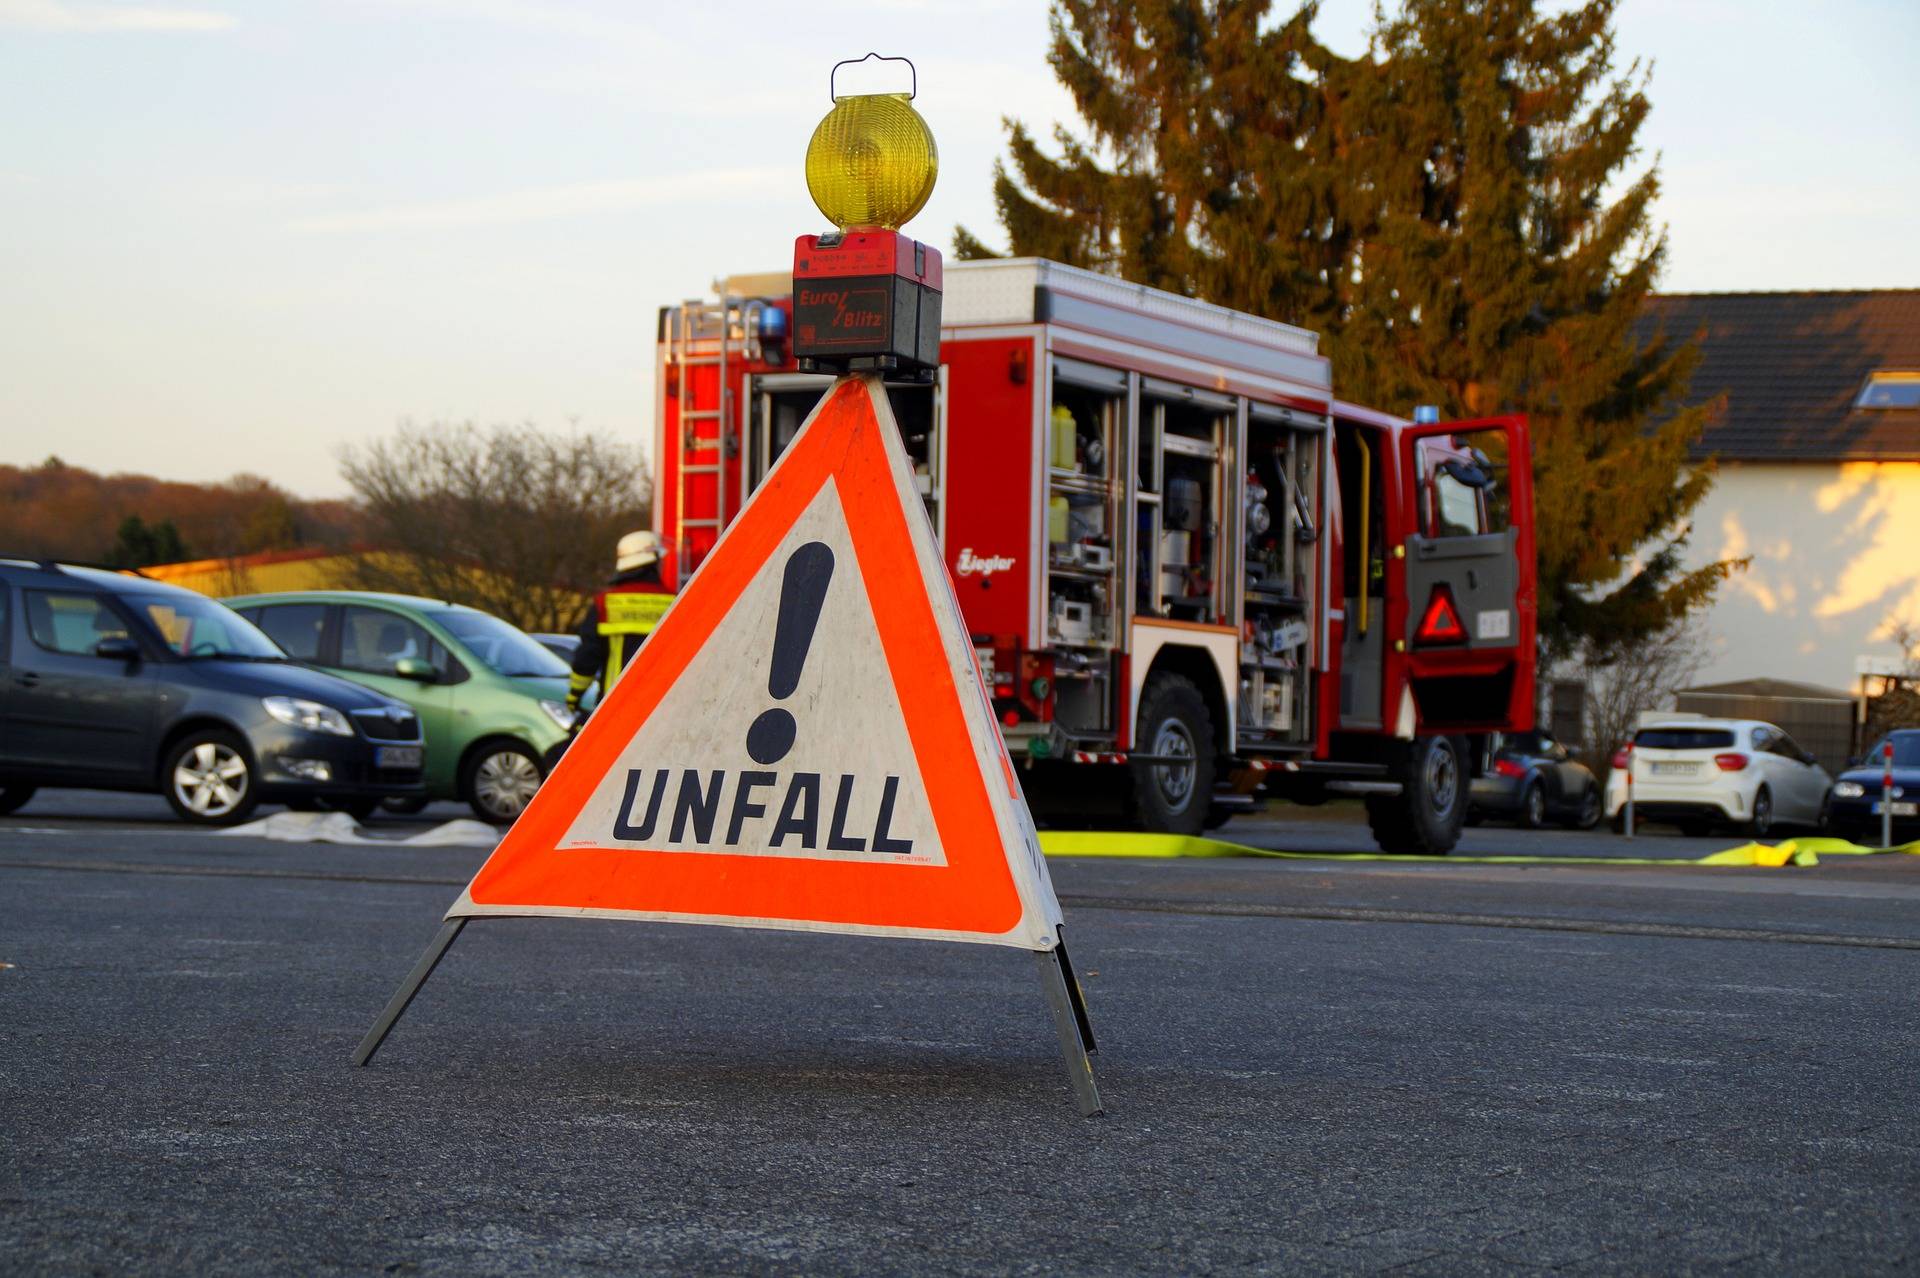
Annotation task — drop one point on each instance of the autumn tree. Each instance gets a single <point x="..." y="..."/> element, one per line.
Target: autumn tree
<point x="1455" y="211"/>
<point x="58" y="510"/>
<point x="512" y="520"/>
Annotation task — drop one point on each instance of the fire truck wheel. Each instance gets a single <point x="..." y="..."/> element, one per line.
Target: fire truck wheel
<point x="1173" y="797"/>
<point x="1426" y="817"/>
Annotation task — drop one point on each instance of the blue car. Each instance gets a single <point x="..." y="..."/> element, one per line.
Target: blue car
<point x="1853" y="806"/>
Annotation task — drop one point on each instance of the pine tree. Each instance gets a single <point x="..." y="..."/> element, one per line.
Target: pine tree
<point x="1206" y="118"/>
<point x="138" y="544"/>
<point x="1438" y="210"/>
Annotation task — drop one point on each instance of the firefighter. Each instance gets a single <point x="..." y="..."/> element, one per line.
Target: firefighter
<point x="622" y="617"/>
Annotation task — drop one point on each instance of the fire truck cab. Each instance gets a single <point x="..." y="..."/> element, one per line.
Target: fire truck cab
<point x="1194" y="576"/>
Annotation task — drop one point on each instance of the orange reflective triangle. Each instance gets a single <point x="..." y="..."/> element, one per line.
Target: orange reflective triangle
<point x="804" y="741"/>
<point x="1441" y="624"/>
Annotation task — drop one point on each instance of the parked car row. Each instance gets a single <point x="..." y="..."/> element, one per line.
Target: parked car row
<point x="1701" y="775"/>
<point x="109" y="680"/>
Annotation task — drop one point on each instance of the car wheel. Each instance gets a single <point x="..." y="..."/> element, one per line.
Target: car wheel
<point x="1588" y="814"/>
<point x="1762" y="820"/>
<point x="409" y="806"/>
<point x="208" y="778"/>
<point x="1533" y="807"/>
<point x="500" y="779"/>
<point x="1823" y="823"/>
<point x="1173" y="797"/>
<point x="14" y="797"/>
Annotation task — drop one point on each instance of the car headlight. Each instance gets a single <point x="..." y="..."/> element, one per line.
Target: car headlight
<point x="1848" y="790"/>
<point x="557" y="711"/>
<point x="299" y="712"/>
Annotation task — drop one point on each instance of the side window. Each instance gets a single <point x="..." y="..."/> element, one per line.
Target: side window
<point x="373" y="640"/>
<point x="1786" y="747"/>
<point x="1763" y="739"/>
<point x="6" y="622"/>
<point x="1462" y="484"/>
<point x="295" y="627"/>
<point x="71" y="623"/>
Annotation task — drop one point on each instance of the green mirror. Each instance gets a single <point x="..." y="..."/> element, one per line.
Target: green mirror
<point x="415" y="668"/>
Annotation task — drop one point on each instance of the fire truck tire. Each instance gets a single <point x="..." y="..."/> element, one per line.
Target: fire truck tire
<point x="1173" y="798"/>
<point x="1426" y="817"/>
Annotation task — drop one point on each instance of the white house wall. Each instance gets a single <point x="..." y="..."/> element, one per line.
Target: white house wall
<point x="1836" y="554"/>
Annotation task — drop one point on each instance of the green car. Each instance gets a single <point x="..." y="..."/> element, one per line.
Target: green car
<point x="492" y="701"/>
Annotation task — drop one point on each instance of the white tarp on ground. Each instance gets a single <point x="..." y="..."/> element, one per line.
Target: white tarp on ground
<point x="338" y="827"/>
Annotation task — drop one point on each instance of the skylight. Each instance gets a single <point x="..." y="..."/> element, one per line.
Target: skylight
<point x="1890" y="390"/>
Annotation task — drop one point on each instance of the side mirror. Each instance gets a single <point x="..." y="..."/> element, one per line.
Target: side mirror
<point x="416" y="669"/>
<point x="120" y="649"/>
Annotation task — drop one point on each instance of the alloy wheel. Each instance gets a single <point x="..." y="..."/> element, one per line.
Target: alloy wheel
<point x="211" y="779"/>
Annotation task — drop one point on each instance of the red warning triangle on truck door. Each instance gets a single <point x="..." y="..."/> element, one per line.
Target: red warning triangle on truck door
<point x="804" y="741"/>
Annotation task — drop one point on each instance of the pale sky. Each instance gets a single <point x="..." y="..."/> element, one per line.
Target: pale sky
<point x="236" y="234"/>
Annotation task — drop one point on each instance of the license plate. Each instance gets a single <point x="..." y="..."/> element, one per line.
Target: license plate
<point x="1674" y="769"/>
<point x="396" y="757"/>
<point x="1900" y="809"/>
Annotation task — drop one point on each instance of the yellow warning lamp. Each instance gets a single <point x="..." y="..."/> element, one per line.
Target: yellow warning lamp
<point x="872" y="161"/>
<point x="865" y="297"/>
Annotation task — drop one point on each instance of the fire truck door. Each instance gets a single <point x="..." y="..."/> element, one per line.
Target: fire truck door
<point x="1469" y="552"/>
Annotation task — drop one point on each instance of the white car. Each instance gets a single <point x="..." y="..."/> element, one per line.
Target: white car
<point x="1698" y="773"/>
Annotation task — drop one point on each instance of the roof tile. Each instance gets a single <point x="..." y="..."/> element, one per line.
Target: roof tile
<point x="1791" y="365"/>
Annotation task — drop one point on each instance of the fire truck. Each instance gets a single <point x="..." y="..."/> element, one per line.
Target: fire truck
<point x="1195" y="578"/>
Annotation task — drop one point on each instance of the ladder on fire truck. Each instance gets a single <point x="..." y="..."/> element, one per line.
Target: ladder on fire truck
<point x="723" y="335"/>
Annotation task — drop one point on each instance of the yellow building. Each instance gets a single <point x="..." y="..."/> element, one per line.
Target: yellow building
<point x="1819" y="477"/>
<point x="270" y="570"/>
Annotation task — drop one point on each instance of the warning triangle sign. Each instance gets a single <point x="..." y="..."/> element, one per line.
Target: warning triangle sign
<point x="804" y="741"/>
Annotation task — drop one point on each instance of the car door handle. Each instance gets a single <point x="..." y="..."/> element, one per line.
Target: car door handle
<point x="27" y="679"/>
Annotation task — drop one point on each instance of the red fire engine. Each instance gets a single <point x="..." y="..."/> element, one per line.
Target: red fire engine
<point x="1192" y="574"/>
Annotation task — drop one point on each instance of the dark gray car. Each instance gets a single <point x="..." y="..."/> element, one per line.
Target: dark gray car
<point x="112" y="681"/>
<point x="1532" y="780"/>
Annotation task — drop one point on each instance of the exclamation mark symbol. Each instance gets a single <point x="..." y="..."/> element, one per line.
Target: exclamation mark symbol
<point x="803" y="589"/>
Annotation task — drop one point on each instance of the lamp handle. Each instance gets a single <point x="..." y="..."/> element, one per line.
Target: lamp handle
<point x="913" y="72"/>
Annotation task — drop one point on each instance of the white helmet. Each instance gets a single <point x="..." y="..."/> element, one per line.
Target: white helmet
<point x="636" y="550"/>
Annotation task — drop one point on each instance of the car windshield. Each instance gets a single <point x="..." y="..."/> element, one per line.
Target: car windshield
<point x="1906" y="750"/>
<point x="1684" y="738"/>
<point x="198" y="628"/>
<point x="503" y="648"/>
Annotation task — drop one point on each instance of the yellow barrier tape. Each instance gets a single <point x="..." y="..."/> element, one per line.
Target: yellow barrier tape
<point x="1124" y="844"/>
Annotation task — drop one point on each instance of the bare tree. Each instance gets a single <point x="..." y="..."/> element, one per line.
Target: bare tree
<point x="1897" y="705"/>
<point x="1624" y="681"/>
<point x="513" y="520"/>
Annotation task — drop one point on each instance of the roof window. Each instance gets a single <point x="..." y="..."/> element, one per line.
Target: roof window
<point x="1887" y="389"/>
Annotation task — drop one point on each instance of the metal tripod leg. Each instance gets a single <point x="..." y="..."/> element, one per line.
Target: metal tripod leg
<point x="1071" y="1026"/>
<point x="408" y="988"/>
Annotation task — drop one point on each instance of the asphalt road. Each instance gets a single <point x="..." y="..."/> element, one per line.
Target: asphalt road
<point x="1309" y="1065"/>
